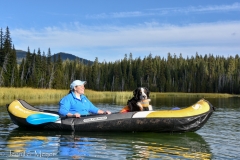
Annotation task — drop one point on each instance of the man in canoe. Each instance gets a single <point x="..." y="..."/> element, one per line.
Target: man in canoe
<point x="75" y="103"/>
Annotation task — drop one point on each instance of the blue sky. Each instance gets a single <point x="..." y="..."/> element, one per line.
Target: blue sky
<point x="110" y="29"/>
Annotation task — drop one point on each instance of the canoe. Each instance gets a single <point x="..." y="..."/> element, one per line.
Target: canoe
<point x="188" y="119"/>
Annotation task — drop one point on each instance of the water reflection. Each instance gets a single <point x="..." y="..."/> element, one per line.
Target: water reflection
<point x="38" y="144"/>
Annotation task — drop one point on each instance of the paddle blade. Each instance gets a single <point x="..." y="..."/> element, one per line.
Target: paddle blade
<point x="39" y="118"/>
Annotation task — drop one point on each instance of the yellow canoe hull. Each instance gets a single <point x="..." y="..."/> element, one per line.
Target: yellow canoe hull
<point x="201" y="107"/>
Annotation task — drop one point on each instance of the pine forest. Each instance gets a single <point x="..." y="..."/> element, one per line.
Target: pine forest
<point x="195" y="74"/>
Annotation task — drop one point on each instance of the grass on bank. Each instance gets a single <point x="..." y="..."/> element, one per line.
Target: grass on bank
<point x="47" y="94"/>
<point x="30" y="93"/>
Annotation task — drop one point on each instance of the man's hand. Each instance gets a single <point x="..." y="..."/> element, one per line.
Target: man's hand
<point x="107" y="112"/>
<point x="76" y="115"/>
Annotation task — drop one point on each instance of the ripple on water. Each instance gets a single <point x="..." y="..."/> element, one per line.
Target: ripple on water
<point x="222" y="133"/>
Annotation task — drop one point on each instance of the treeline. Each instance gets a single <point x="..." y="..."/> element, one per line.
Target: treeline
<point x="195" y="74"/>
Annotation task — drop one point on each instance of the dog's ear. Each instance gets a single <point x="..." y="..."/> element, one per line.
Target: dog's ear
<point x="147" y="91"/>
<point x="135" y="92"/>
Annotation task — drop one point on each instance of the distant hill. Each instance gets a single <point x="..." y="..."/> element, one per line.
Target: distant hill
<point x="64" y="56"/>
<point x="20" y="55"/>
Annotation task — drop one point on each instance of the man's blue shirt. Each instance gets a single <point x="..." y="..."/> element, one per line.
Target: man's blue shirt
<point x="71" y="104"/>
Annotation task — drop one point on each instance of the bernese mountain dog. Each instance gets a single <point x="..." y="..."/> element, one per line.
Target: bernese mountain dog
<point x="139" y="101"/>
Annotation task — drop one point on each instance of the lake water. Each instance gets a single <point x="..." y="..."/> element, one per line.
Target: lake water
<point x="218" y="139"/>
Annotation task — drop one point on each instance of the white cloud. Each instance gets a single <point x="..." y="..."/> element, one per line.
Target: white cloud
<point x="118" y="15"/>
<point x="110" y="43"/>
<point x="203" y="9"/>
<point x="196" y="9"/>
<point x="166" y="11"/>
<point x="218" y="8"/>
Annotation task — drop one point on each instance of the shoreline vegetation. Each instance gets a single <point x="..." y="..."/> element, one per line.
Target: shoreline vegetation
<point x="54" y="95"/>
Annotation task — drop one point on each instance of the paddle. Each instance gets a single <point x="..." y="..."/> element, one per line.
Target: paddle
<point x="41" y="118"/>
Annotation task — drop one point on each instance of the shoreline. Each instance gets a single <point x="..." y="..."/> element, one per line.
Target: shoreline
<point x="34" y="94"/>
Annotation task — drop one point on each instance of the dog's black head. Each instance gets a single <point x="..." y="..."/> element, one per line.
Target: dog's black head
<point x="141" y="93"/>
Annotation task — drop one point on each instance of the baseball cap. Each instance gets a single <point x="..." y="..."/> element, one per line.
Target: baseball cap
<point x="77" y="83"/>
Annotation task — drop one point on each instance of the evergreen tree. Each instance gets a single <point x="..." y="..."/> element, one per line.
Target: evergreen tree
<point x="10" y="57"/>
<point x="162" y="78"/>
<point x="50" y="70"/>
<point x="58" y="76"/>
<point x="2" y="54"/>
<point x="230" y="73"/>
<point x="139" y="77"/>
<point x="14" y="81"/>
<point x="124" y="64"/>
<point x="131" y="83"/>
<point x="27" y="69"/>
<point x="43" y="77"/>
<point x="32" y="80"/>
<point x="95" y="75"/>
<point x="38" y="69"/>
<point x="88" y="71"/>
